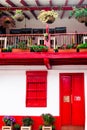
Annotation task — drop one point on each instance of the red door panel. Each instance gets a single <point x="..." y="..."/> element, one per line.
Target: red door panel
<point x="78" y="112"/>
<point x="72" y="99"/>
<point x="65" y="100"/>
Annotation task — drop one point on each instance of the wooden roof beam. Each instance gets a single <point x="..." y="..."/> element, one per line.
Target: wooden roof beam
<point x="32" y="11"/>
<point x="50" y="1"/>
<point x="66" y="3"/>
<point x="1" y="5"/>
<point x="37" y="2"/>
<point x="13" y="5"/>
<point x="41" y="8"/>
<point x="80" y="2"/>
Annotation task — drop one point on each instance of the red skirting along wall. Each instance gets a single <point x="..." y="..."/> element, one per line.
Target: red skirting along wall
<point x="37" y="121"/>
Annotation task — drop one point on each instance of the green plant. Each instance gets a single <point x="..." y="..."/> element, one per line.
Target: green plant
<point x="16" y="126"/>
<point x="48" y="119"/>
<point x="69" y="46"/>
<point x="83" y="46"/>
<point x="27" y="121"/>
<point x="56" y="49"/>
<point x="38" y="48"/>
<point x="8" y="120"/>
<point x="7" y="49"/>
<point x="78" y="12"/>
<point x="22" y="45"/>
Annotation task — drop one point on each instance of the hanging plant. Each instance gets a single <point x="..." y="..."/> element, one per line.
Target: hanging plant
<point x="7" y="21"/>
<point x="19" y="15"/>
<point x="80" y="14"/>
<point x="48" y="16"/>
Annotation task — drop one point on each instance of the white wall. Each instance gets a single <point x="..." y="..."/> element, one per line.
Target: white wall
<point x="72" y="24"/>
<point x="13" y="89"/>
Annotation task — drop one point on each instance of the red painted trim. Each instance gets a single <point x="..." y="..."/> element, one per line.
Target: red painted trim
<point x="37" y="8"/>
<point x="25" y="4"/>
<point x="32" y="58"/>
<point x="47" y="63"/>
<point x="37" y="121"/>
<point x="66" y="2"/>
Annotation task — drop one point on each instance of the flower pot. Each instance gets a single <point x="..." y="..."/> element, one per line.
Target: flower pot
<point x="26" y="127"/>
<point x="19" y="17"/>
<point x="46" y="127"/>
<point x="20" y="50"/>
<point x="6" y="127"/>
<point x="50" y="20"/>
<point x="67" y="50"/>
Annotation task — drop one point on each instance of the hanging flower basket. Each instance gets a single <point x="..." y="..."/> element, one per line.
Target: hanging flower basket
<point x="51" y="19"/>
<point x="19" y="15"/>
<point x="48" y="16"/>
<point x="80" y="14"/>
<point x="7" y="21"/>
<point x="82" y="19"/>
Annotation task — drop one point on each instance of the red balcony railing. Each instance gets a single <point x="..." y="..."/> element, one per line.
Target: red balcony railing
<point x="57" y="39"/>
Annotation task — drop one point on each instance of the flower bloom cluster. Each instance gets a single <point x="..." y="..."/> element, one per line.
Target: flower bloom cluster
<point x="8" y="120"/>
<point x="44" y="15"/>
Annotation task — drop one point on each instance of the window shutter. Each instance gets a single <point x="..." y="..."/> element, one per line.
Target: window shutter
<point x="36" y="89"/>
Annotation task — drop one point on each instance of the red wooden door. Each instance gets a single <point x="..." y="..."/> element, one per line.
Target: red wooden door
<point x="72" y="99"/>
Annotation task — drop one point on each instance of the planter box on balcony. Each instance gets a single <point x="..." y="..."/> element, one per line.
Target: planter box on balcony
<point x="20" y="50"/>
<point x="83" y="50"/>
<point x="67" y="50"/>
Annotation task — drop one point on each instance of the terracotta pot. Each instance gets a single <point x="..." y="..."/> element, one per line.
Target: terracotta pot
<point x="83" y="50"/>
<point x="19" y="50"/>
<point x="51" y="20"/>
<point x="67" y="50"/>
<point x="19" y="17"/>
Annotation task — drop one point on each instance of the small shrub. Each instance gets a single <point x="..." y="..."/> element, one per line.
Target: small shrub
<point x="83" y="46"/>
<point x="27" y="121"/>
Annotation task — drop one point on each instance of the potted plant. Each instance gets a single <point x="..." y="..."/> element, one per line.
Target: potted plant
<point x="9" y="120"/>
<point x="19" y="15"/>
<point x="27" y="123"/>
<point x="56" y="49"/>
<point x="16" y="126"/>
<point x="20" y="46"/>
<point x="48" y="121"/>
<point x="38" y="48"/>
<point x="46" y="36"/>
<point x="82" y="47"/>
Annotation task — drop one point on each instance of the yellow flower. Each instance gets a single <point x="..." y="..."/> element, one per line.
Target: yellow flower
<point x="44" y="15"/>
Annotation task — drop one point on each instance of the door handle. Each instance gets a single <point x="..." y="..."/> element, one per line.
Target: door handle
<point x="66" y="98"/>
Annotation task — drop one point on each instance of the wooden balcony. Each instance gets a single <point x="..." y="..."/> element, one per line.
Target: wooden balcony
<point x="57" y="39"/>
<point x="48" y="59"/>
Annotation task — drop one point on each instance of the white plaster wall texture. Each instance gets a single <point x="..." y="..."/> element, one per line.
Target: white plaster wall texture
<point x="72" y="24"/>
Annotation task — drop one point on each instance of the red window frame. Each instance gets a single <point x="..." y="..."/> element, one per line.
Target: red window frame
<point x="36" y="88"/>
